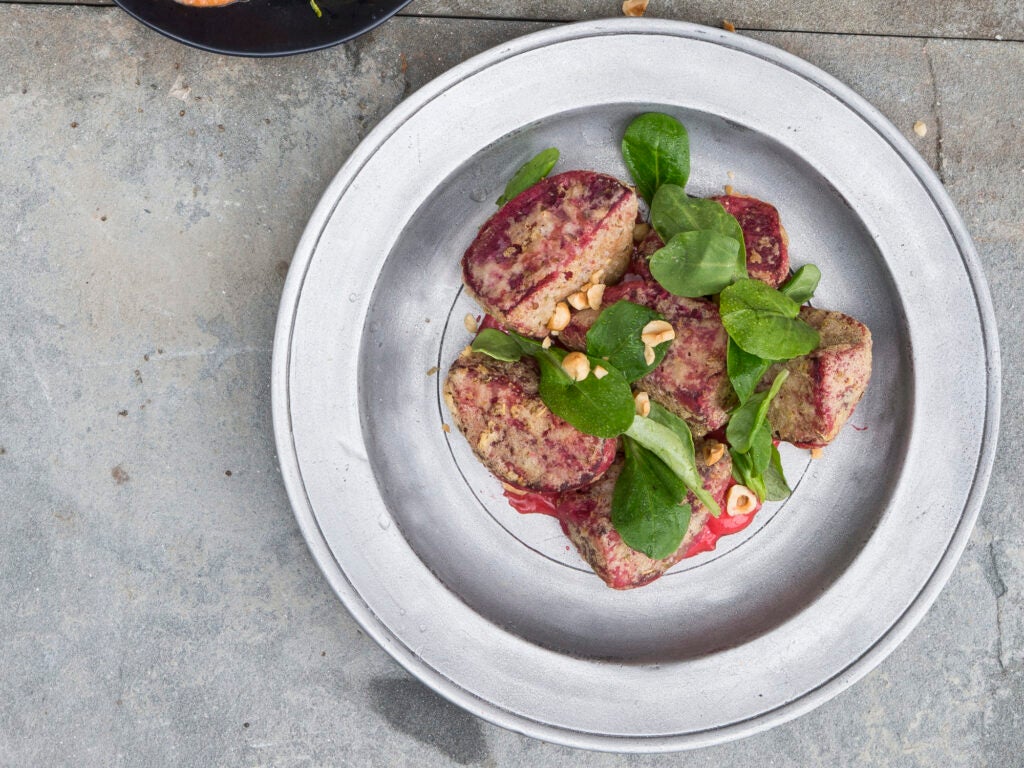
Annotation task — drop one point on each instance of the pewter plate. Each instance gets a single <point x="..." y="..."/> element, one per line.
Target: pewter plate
<point x="494" y="610"/>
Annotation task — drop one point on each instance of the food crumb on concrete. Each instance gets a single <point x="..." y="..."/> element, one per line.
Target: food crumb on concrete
<point x="634" y="7"/>
<point x="920" y="128"/>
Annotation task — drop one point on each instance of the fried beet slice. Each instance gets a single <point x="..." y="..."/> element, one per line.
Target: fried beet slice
<point x="586" y="518"/>
<point x="640" y="261"/>
<point x="825" y="386"/>
<point x="496" y="406"/>
<point x="766" y="240"/>
<point x="546" y="243"/>
<point x="692" y="381"/>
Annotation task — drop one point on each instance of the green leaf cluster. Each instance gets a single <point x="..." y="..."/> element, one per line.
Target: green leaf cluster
<point x="755" y="459"/>
<point x="660" y="466"/>
<point x="615" y="338"/>
<point x="601" y="407"/>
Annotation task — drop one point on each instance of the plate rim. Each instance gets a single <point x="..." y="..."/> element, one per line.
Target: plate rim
<point x="441" y="683"/>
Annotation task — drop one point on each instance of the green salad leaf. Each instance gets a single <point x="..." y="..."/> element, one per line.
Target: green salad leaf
<point x="673" y="211"/>
<point x="764" y="322"/>
<point x="529" y="173"/>
<point x="647" y="504"/>
<point x="603" y="407"/>
<point x="776" y="487"/>
<point x="747" y="420"/>
<point x="698" y="263"/>
<point x="744" y="473"/>
<point x="656" y="148"/>
<point x="745" y="370"/>
<point x="500" y="346"/>
<point x="615" y="337"/>
<point x="668" y="437"/>
<point x="802" y="285"/>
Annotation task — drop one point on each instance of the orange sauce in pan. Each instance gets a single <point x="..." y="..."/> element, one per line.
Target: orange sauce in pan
<point x="205" y="3"/>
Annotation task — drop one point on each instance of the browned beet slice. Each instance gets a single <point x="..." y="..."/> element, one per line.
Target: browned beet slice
<point x="766" y="240"/>
<point x="692" y="381"/>
<point x="586" y="518"/>
<point x="825" y="386"/>
<point x="496" y="406"/>
<point x="546" y="243"/>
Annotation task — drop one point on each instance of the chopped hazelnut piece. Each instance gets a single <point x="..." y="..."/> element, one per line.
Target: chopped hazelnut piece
<point x="649" y="355"/>
<point x="740" y="501"/>
<point x="643" y="403"/>
<point x="578" y="300"/>
<point x="599" y="372"/>
<point x="920" y="129"/>
<point x="634" y="7"/>
<point x="576" y="365"/>
<point x="546" y="344"/>
<point x="713" y="452"/>
<point x="657" y="332"/>
<point x="816" y="453"/>
<point x="728" y="26"/>
<point x="470" y="322"/>
<point x="560" y="317"/>
<point x="595" y="296"/>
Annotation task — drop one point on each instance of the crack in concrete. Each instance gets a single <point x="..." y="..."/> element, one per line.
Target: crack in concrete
<point x="940" y="164"/>
<point x="999" y="590"/>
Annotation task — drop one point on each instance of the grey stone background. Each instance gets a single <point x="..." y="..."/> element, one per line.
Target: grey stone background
<point x="157" y="603"/>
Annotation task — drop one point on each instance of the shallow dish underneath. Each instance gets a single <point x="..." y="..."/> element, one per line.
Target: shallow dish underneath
<point x="495" y="610"/>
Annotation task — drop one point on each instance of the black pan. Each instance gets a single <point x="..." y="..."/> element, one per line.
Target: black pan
<point x="263" y="27"/>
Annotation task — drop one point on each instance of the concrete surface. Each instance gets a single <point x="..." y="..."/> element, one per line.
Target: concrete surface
<point x="985" y="19"/>
<point x="158" y="604"/>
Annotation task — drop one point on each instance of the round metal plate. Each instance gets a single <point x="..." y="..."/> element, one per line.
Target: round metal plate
<point x="493" y="610"/>
<point x="263" y="27"/>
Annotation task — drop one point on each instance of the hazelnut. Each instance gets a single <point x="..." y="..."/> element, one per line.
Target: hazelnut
<point x="546" y="344"/>
<point x="713" y="452"/>
<point x="740" y="501"/>
<point x="470" y="322"/>
<point x="634" y="7"/>
<point x="576" y="365"/>
<point x="599" y="372"/>
<point x="560" y="317"/>
<point x="578" y="300"/>
<point x="595" y="295"/>
<point x="649" y="354"/>
<point x="657" y="332"/>
<point x="816" y="452"/>
<point x="643" y="403"/>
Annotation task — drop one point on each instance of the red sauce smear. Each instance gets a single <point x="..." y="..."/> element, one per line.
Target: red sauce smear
<point x="490" y="322"/>
<point x="530" y="502"/>
<point x="534" y="503"/>
<point x="717" y="527"/>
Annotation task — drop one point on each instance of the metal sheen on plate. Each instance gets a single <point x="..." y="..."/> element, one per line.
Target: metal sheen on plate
<point x="488" y="607"/>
